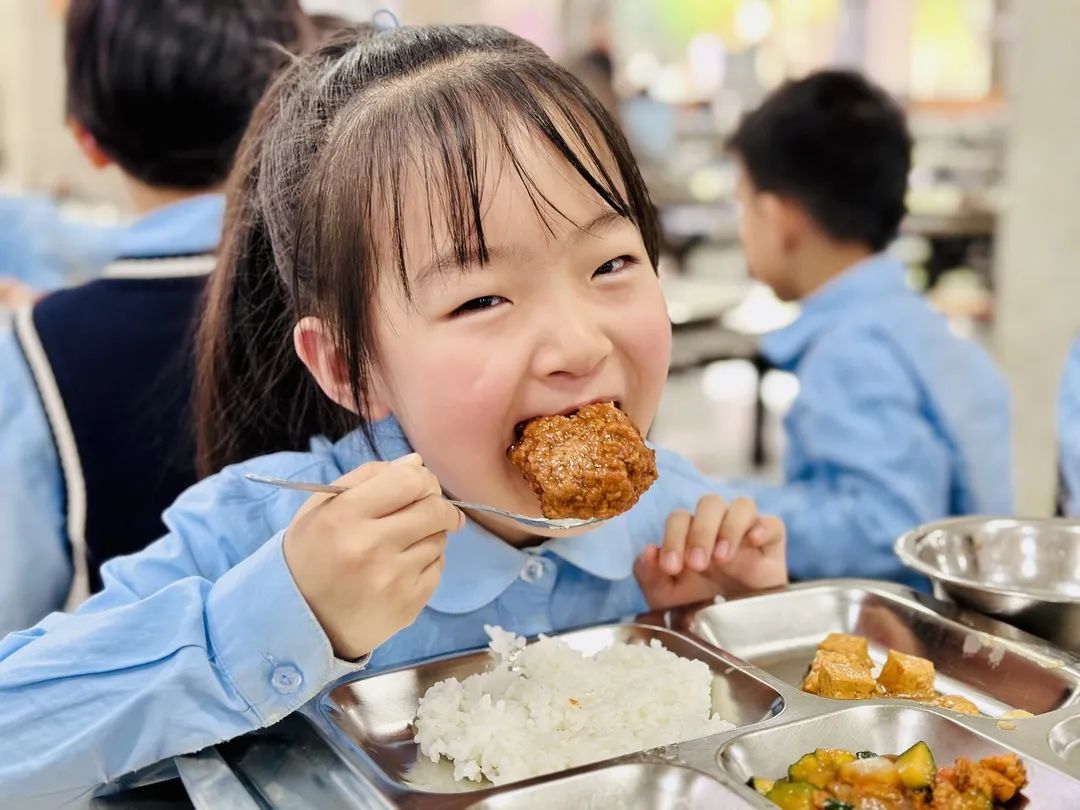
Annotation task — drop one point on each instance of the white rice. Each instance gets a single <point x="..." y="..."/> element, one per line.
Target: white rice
<point x="547" y="707"/>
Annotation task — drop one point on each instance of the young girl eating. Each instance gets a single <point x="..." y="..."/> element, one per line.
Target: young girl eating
<point x="433" y="235"/>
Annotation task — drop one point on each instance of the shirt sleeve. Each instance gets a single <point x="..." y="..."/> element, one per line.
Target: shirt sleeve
<point x="1068" y="423"/>
<point x="36" y="570"/>
<point x="865" y="464"/>
<point x="192" y="641"/>
<point x="682" y="486"/>
<point x="25" y="250"/>
<point x="47" y="250"/>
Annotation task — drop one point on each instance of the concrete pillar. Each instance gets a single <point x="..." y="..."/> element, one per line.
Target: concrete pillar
<point x="1038" y="259"/>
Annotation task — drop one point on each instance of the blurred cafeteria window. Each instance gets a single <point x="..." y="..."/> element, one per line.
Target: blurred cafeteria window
<point x="688" y="51"/>
<point x="952" y="52"/>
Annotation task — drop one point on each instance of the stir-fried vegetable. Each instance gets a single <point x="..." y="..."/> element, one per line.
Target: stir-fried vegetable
<point x="837" y="779"/>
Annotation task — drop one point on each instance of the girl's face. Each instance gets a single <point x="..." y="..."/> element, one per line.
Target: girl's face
<point x="564" y="313"/>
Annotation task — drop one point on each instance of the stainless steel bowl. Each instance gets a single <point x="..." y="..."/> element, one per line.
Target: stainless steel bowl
<point x="1025" y="572"/>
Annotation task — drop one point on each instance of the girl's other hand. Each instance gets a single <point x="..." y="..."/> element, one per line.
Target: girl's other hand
<point x="368" y="560"/>
<point x="720" y="549"/>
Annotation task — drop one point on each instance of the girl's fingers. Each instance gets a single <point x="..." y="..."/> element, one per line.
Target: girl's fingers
<point x="428" y="579"/>
<point x="423" y="553"/>
<point x="647" y="567"/>
<point x="418" y="521"/>
<point x="355" y="477"/>
<point x="650" y="556"/>
<point x="675" y="531"/>
<point x="740" y="517"/>
<point x="703" y="531"/>
<point x="396" y="486"/>
<point x="766" y="532"/>
<point x="365" y="472"/>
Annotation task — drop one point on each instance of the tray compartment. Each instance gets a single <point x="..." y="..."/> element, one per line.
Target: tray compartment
<point x="779" y="632"/>
<point x="370" y="718"/>
<point x="885" y="729"/>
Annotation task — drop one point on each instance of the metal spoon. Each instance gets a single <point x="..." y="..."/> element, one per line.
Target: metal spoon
<point x="525" y="520"/>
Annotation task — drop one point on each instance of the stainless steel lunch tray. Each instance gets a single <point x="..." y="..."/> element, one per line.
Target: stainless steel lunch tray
<point x="758" y="648"/>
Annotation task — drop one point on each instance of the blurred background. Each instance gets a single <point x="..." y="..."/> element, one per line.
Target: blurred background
<point x="991" y="238"/>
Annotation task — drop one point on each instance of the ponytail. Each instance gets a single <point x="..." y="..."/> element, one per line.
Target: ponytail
<point x="252" y="394"/>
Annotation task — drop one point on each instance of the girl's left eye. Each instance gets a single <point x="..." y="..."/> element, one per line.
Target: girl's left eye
<point x="477" y="305"/>
<point x="612" y="266"/>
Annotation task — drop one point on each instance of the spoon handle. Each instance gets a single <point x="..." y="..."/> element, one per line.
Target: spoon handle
<point x="536" y="523"/>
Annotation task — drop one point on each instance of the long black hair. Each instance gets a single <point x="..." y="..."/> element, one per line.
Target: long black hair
<point x="316" y="201"/>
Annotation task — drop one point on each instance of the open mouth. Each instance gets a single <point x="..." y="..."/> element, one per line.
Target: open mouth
<point x="519" y="428"/>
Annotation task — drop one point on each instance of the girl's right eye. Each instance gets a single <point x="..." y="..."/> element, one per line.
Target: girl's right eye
<point x="478" y="304"/>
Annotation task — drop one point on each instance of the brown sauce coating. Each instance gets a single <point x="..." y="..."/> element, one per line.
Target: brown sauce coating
<point x="842" y="669"/>
<point x="593" y="463"/>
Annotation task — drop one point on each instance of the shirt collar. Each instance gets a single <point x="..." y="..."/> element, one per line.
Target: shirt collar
<point x="863" y="283"/>
<point x="479" y="566"/>
<point x="188" y="227"/>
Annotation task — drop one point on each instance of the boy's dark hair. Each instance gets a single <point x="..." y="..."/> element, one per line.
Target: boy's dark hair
<point x="316" y="208"/>
<point x="836" y="144"/>
<point x="166" y="87"/>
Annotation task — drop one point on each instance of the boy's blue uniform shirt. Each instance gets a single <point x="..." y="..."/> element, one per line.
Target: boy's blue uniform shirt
<point x="897" y="422"/>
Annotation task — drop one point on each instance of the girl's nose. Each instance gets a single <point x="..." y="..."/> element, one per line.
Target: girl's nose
<point x="574" y="344"/>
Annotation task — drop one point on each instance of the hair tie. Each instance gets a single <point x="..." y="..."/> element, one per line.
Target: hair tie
<point x="386" y="24"/>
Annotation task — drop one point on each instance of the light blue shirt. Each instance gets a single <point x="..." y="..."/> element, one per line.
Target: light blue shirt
<point x="45" y="249"/>
<point x="1068" y="425"/>
<point x="204" y="636"/>
<point x="36" y="572"/>
<point x="897" y="422"/>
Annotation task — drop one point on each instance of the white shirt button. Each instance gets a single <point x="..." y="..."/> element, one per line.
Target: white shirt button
<point x="533" y="570"/>
<point x="286" y="679"/>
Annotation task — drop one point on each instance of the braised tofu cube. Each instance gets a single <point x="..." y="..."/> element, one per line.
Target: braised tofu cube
<point x="907" y="676"/>
<point x="810" y="682"/>
<point x="854" y="647"/>
<point x="844" y="680"/>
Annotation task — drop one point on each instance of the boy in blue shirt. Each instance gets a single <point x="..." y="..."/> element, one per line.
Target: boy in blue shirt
<point x="897" y="421"/>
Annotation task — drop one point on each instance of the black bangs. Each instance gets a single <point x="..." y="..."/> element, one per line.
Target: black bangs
<point x="435" y="138"/>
